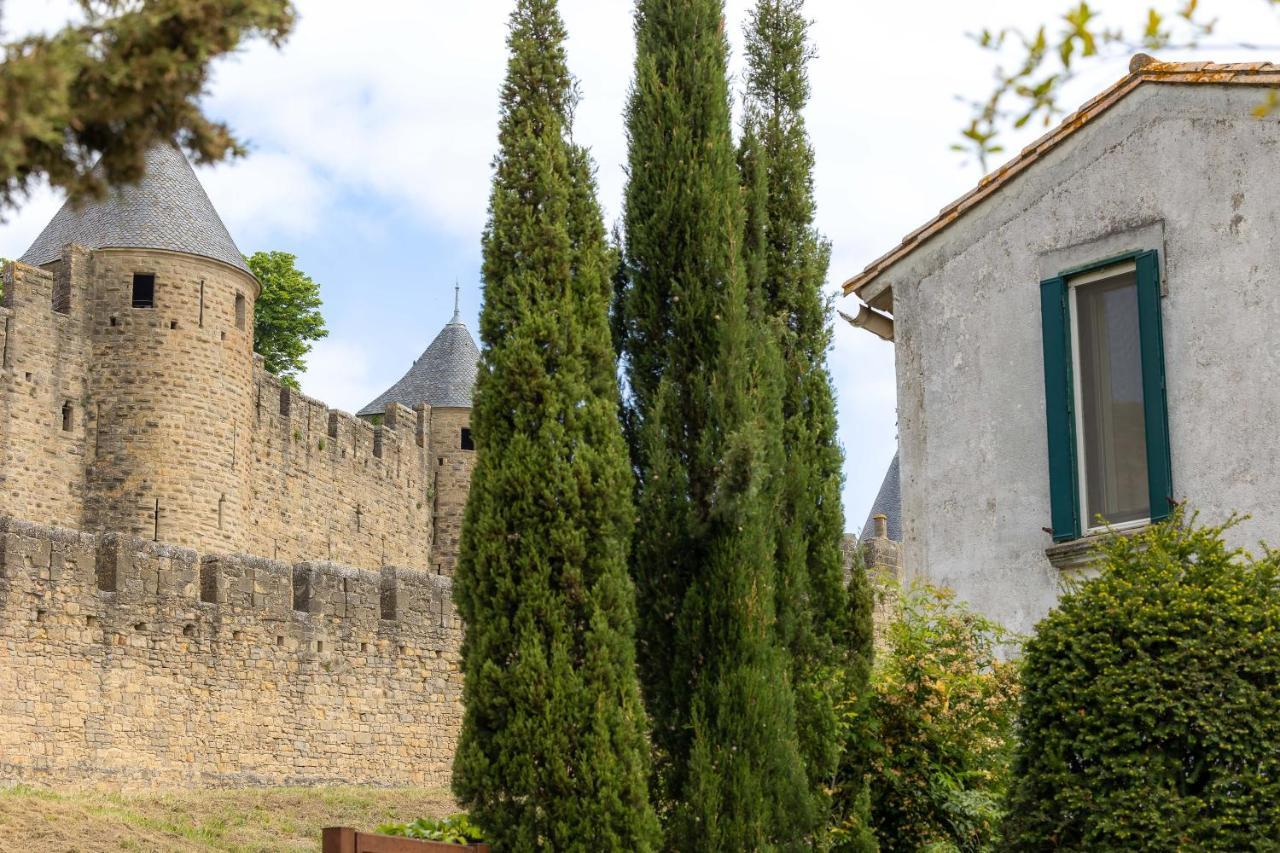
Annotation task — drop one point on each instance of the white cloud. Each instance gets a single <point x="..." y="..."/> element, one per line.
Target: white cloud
<point x="268" y="192"/>
<point x="338" y="373"/>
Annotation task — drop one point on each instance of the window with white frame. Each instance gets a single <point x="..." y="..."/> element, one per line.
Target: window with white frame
<point x="1105" y="396"/>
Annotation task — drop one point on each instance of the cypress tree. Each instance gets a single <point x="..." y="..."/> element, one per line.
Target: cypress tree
<point x="826" y="628"/>
<point x="553" y="753"/>
<point x="702" y="374"/>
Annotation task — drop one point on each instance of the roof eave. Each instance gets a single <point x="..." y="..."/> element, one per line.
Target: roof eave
<point x="873" y="290"/>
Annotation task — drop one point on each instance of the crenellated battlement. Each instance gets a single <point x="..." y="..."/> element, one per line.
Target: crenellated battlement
<point x="121" y="571"/>
<point x="331" y="486"/>
<point x="230" y="582"/>
<point x="128" y="660"/>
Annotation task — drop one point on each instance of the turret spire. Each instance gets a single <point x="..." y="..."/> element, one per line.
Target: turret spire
<point x="457" y="314"/>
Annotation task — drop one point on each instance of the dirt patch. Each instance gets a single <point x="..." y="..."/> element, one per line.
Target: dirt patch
<point x="243" y="820"/>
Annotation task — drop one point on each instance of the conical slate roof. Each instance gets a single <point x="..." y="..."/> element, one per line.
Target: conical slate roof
<point x="889" y="502"/>
<point x="443" y="375"/>
<point x="167" y="209"/>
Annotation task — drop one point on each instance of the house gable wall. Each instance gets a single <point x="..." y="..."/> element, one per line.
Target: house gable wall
<point x="1185" y="170"/>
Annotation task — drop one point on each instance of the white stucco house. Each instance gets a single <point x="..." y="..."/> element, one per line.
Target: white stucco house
<point x="1091" y="333"/>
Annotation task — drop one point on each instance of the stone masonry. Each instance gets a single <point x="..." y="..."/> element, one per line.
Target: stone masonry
<point x="159" y="423"/>
<point x="127" y="661"/>
<point x="235" y="584"/>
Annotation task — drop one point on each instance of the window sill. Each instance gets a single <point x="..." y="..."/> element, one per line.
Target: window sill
<point x="1077" y="555"/>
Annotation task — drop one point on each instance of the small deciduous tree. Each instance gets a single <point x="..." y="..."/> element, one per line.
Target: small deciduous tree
<point x="286" y="317"/>
<point x="108" y="89"/>
<point x="942" y="715"/>
<point x="1150" y="713"/>
<point x="553" y="753"/>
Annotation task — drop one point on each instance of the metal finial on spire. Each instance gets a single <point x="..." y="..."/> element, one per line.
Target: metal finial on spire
<point x="457" y="313"/>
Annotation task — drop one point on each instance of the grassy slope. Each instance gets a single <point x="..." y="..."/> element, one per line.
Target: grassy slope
<point x="88" y="821"/>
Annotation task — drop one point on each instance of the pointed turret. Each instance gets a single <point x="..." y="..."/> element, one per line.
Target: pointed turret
<point x="442" y="377"/>
<point x="888" y="503"/>
<point x="167" y="209"/>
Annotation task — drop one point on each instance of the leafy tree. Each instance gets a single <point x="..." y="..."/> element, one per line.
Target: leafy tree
<point x="553" y="753"/>
<point x="826" y="630"/>
<point x="1046" y="60"/>
<point x="703" y="414"/>
<point x="286" y="317"/>
<point x="108" y="89"/>
<point x="943" y="712"/>
<point x="1150" y="714"/>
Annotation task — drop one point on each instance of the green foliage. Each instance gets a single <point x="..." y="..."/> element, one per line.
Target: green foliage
<point x="553" y="751"/>
<point x="129" y="77"/>
<point x="703" y="415"/>
<point x="943" y="722"/>
<point x="1150" y="715"/>
<point x="4" y="265"/>
<point x="286" y="317"/>
<point x="1044" y="60"/>
<point x="826" y="629"/>
<point x="455" y="829"/>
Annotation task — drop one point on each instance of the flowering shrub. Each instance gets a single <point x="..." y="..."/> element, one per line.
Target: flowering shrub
<point x="942" y="708"/>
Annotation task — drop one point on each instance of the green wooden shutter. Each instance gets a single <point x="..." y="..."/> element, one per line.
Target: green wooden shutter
<point x="1059" y="409"/>
<point x="1155" y="407"/>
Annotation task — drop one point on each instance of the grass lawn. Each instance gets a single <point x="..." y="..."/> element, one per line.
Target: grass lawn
<point x="225" y="820"/>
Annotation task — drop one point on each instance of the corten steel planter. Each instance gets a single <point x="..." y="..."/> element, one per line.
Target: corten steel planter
<point x="342" y="839"/>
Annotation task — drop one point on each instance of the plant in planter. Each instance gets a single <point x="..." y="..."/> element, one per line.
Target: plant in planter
<point x="455" y="829"/>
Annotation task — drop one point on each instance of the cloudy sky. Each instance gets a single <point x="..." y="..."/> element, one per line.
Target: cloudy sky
<point x="372" y="131"/>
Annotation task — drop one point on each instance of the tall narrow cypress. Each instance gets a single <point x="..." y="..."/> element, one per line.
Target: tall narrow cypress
<point x="702" y="375"/>
<point x="553" y="753"/>
<point x="826" y="628"/>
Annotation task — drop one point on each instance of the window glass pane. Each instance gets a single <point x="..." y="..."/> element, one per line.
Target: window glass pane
<point x="1112" y="427"/>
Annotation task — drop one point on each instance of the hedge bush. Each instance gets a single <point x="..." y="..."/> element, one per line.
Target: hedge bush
<point x="1150" y="713"/>
<point x="942" y="715"/>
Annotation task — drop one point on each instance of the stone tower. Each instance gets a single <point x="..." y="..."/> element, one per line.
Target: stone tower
<point x="441" y="381"/>
<point x="162" y="301"/>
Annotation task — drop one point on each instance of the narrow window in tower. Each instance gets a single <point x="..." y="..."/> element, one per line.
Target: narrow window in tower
<point x="66" y="416"/>
<point x="239" y="310"/>
<point x="144" y="290"/>
<point x="467" y="442"/>
<point x="201" y="303"/>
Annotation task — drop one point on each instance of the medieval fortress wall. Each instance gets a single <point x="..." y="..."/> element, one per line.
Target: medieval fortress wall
<point x="230" y="582"/>
<point x="128" y="661"/>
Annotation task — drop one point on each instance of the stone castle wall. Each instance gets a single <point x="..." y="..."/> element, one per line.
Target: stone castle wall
<point x="167" y="397"/>
<point x="160" y="423"/>
<point x="331" y="486"/>
<point x="44" y="358"/>
<point x="128" y="661"/>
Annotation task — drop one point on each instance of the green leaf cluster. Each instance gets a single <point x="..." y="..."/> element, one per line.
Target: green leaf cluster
<point x="109" y="89"/>
<point x="1150" y="714"/>
<point x="826" y="629"/>
<point x="1034" y="65"/>
<point x="455" y="829"/>
<point x="943" y="725"/>
<point x="553" y="752"/>
<point x="286" y="315"/>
